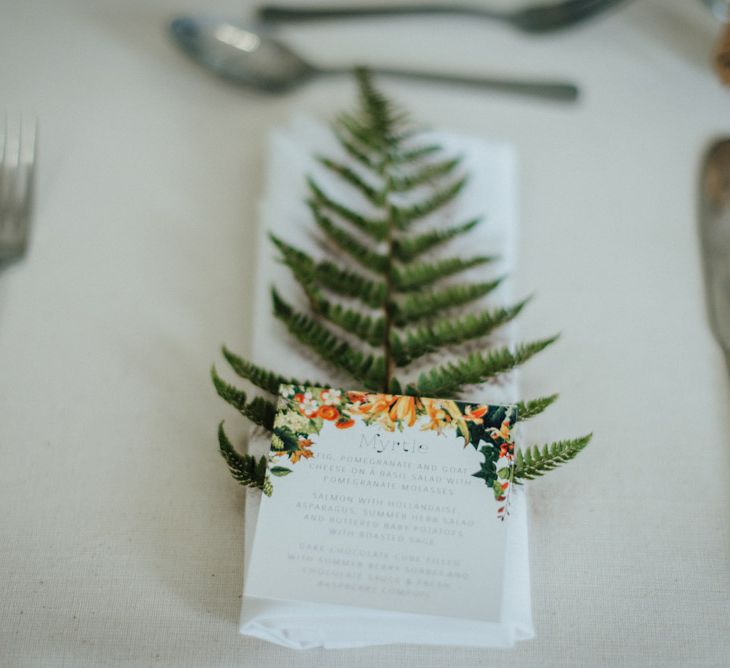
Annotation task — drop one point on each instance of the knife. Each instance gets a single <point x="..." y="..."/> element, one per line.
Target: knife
<point x="714" y="222"/>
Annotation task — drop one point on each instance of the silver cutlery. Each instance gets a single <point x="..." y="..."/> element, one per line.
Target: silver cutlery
<point x="251" y="56"/>
<point x="540" y="18"/>
<point x="18" y="141"/>
<point x="714" y="224"/>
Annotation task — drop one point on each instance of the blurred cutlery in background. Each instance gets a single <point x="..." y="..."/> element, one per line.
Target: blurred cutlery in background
<point x="250" y="56"/>
<point x="540" y="18"/>
<point x="714" y="227"/>
<point x="18" y="139"/>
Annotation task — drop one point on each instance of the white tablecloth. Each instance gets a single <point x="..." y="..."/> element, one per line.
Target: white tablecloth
<point x="121" y="534"/>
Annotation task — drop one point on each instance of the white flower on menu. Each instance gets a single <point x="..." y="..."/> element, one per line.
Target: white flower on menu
<point x="330" y="397"/>
<point x="309" y="404"/>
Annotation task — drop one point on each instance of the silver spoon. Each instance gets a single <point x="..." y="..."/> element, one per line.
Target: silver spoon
<point x="540" y="18"/>
<point x="250" y="56"/>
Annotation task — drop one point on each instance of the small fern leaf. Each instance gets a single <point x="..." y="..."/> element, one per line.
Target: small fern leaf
<point x="245" y="469"/>
<point x="348" y="243"/>
<point x="361" y="133"/>
<point x="405" y="215"/>
<point x="263" y="378"/>
<point x="448" y="380"/>
<point x="529" y="409"/>
<point x="452" y="331"/>
<point x="426" y="174"/>
<point x="408" y="248"/>
<point x="357" y="152"/>
<point x="329" y="275"/>
<point x="415" y="307"/>
<point x="535" y="461"/>
<point x="260" y="411"/>
<point x="412" y="155"/>
<point x="371" y="330"/>
<point x="418" y="275"/>
<point x="331" y="348"/>
<point x="375" y="196"/>
<point x="377" y="229"/>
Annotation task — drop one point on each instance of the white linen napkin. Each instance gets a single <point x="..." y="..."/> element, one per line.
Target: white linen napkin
<point x="492" y="192"/>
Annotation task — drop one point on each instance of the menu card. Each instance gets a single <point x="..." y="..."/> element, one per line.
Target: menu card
<point x="385" y="502"/>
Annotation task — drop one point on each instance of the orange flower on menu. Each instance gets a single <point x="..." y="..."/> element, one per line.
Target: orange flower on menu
<point x="404" y="408"/>
<point x="357" y="397"/>
<point x="375" y="403"/>
<point x="328" y="412"/>
<point x="304" y="451"/>
<point x="475" y="414"/>
<point x="437" y="415"/>
<point x="345" y="424"/>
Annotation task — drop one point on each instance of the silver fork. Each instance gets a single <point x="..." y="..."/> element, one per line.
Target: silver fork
<point x="540" y="18"/>
<point x="18" y="140"/>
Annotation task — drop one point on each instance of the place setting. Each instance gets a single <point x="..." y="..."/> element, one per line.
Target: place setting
<point x="389" y="461"/>
<point x="365" y="333"/>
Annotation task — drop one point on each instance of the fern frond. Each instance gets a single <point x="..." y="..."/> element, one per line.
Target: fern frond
<point x="260" y="411"/>
<point x="536" y="461"/>
<point x="245" y="469"/>
<point x="348" y="243"/>
<point x="383" y="158"/>
<point x="449" y="379"/>
<point x="417" y="306"/>
<point x="425" y="174"/>
<point x="404" y="215"/>
<point x="451" y="331"/>
<point x="529" y="409"/>
<point x="406" y="249"/>
<point x="417" y="275"/>
<point x="377" y="229"/>
<point x="367" y="369"/>
<point x="263" y="378"/>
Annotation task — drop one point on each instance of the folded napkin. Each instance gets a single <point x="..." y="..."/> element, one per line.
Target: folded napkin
<point x="491" y="191"/>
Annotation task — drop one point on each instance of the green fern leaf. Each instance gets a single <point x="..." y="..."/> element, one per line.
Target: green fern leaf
<point x="449" y="379"/>
<point x="408" y="248"/>
<point x="421" y="274"/>
<point x="367" y="369"/>
<point x="371" y="330"/>
<point x="451" y="331"/>
<point x="405" y="215"/>
<point x="529" y="409"/>
<point x="536" y="461"/>
<point x="383" y="156"/>
<point x="425" y="174"/>
<point x="263" y="378"/>
<point x="377" y="229"/>
<point x="328" y="275"/>
<point x="375" y="195"/>
<point x="348" y="243"/>
<point x="259" y="411"/>
<point x="410" y="156"/>
<point x="356" y="152"/>
<point x="415" y="307"/>
<point x="245" y="469"/>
